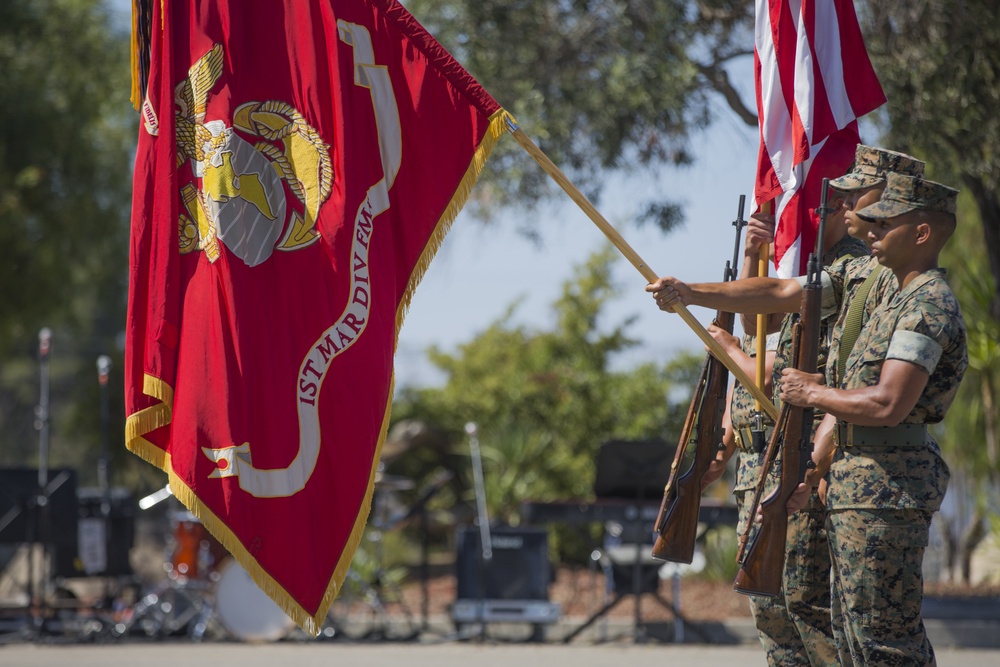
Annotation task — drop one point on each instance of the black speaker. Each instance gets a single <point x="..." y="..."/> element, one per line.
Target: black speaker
<point x="121" y="517"/>
<point x="518" y="570"/>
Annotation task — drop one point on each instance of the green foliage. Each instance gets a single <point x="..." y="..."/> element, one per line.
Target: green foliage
<point x="720" y="555"/>
<point x="971" y="428"/>
<point x="65" y="160"/>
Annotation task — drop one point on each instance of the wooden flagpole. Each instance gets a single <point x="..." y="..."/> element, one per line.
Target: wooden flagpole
<point x="636" y="261"/>
<point x="762" y="259"/>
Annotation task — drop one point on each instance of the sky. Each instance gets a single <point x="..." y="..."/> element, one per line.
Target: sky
<point x="480" y="271"/>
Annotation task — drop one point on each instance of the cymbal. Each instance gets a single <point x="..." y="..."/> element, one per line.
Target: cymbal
<point x="385" y="482"/>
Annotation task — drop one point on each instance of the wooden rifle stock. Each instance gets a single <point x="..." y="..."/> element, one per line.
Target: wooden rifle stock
<point x="677" y="522"/>
<point x="763" y="564"/>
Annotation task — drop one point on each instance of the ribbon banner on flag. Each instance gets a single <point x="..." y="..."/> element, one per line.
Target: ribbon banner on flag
<point x="813" y="80"/>
<point x="297" y="167"/>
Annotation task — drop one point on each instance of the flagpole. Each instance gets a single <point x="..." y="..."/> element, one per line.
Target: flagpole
<point x="763" y="258"/>
<point x="717" y="351"/>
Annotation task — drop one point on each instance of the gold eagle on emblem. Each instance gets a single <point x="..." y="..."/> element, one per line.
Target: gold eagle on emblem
<point x="238" y="193"/>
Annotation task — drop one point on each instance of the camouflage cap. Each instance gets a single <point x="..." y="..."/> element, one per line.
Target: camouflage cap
<point x="903" y="194"/>
<point x="871" y="166"/>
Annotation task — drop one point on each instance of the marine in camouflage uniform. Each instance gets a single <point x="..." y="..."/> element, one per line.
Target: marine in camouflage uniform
<point x="885" y="482"/>
<point x="795" y="626"/>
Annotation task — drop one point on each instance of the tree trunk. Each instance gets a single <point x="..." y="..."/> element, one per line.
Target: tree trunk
<point x="950" y="546"/>
<point x="971" y="538"/>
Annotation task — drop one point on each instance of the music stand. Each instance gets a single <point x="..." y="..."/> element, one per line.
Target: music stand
<point x="633" y="470"/>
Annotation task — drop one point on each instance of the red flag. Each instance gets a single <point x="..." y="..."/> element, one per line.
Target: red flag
<point x="813" y="81"/>
<point x="297" y="168"/>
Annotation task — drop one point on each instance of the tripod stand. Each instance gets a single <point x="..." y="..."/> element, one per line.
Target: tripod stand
<point x="631" y="470"/>
<point x="25" y="511"/>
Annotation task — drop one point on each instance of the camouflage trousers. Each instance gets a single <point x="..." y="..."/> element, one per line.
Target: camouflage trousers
<point x="878" y="586"/>
<point x="795" y="627"/>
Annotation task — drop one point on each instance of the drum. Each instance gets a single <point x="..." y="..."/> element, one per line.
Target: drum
<point x="194" y="551"/>
<point x="245" y="610"/>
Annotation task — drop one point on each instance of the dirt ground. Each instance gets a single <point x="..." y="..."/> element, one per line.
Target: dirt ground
<point x="581" y="593"/>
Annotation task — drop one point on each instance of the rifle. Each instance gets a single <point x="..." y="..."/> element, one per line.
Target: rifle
<point x="762" y="564"/>
<point x="677" y="522"/>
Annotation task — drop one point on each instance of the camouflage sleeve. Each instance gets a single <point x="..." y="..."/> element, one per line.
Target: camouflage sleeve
<point x="830" y="301"/>
<point x="838" y="272"/>
<point x="920" y="337"/>
<point x="916" y="348"/>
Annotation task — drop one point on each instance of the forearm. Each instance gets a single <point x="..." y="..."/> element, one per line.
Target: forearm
<point x="867" y="406"/>
<point x="750" y="295"/>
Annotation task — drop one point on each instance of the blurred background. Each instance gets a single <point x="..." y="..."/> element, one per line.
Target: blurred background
<point x="648" y="107"/>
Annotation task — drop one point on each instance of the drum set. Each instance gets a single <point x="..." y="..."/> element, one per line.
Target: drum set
<point x="206" y="594"/>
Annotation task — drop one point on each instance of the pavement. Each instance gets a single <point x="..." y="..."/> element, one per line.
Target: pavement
<point x="609" y="643"/>
<point x="459" y="654"/>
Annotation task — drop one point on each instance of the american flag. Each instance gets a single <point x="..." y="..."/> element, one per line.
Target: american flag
<point x="813" y="80"/>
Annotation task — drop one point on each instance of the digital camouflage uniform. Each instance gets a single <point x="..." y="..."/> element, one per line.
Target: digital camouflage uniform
<point x="881" y="496"/>
<point x="794" y="627"/>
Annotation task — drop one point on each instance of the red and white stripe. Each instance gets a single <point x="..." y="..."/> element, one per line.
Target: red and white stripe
<point x="813" y="79"/>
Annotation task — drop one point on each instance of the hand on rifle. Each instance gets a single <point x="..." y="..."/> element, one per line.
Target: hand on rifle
<point x="799" y="388"/>
<point x="726" y="340"/>
<point x="715" y="470"/>
<point x="822" y="456"/>
<point x="799" y="498"/>
<point x="668" y="292"/>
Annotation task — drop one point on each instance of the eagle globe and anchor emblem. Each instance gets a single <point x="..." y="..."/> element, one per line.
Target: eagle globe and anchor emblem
<point x="243" y="203"/>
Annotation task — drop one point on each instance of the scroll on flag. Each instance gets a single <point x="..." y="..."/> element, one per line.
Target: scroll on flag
<point x="813" y="80"/>
<point x="298" y="165"/>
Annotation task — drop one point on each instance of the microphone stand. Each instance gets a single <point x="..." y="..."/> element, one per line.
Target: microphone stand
<point x="38" y="522"/>
<point x="486" y="540"/>
<point x="104" y="466"/>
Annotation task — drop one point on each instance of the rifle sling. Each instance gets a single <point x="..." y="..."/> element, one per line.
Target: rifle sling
<point x="852" y="325"/>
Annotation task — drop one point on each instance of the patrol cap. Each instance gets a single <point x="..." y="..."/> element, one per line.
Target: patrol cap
<point x="903" y="194"/>
<point x="871" y="166"/>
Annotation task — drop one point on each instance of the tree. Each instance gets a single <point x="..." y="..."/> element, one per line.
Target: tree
<point x="65" y="150"/>
<point x="599" y="84"/>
